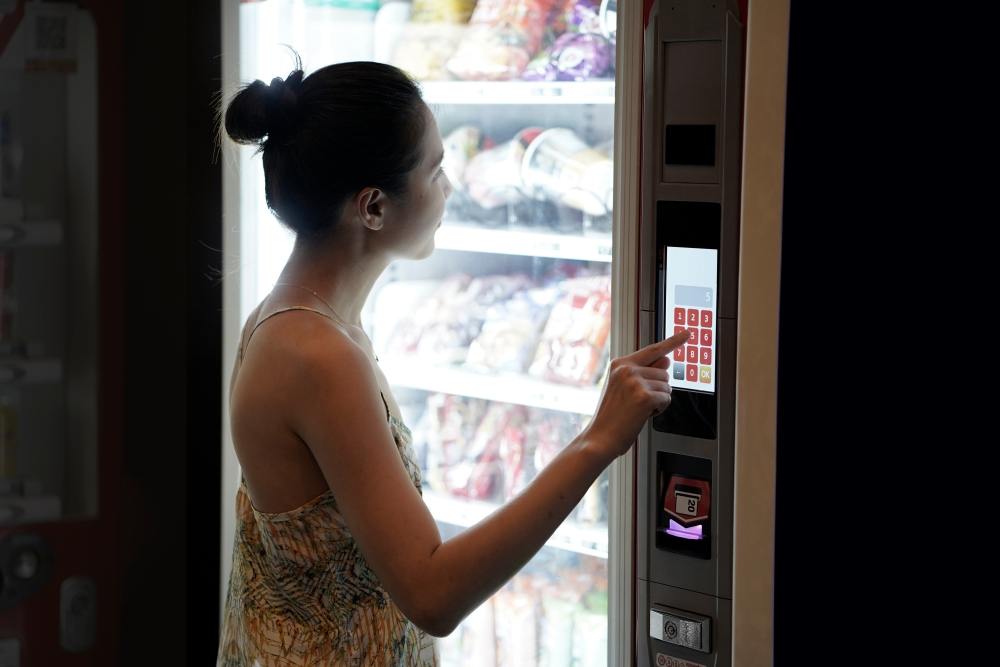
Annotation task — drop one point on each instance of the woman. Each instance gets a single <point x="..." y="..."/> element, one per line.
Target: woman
<point x="337" y="559"/>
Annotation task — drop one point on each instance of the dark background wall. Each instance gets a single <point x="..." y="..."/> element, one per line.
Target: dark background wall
<point x="851" y="404"/>
<point x="173" y="334"/>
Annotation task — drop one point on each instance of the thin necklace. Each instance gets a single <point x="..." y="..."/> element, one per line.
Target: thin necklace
<point x="335" y="313"/>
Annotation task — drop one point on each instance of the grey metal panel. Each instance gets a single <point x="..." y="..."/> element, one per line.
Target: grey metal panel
<point x="719" y="609"/>
<point x="714" y="576"/>
<point x="647" y="331"/>
<point x="726" y="384"/>
<point x="691" y="87"/>
<point x="707" y="192"/>
<point x="693" y="75"/>
<point x="652" y="154"/>
<point x="692" y="20"/>
<point x="667" y="567"/>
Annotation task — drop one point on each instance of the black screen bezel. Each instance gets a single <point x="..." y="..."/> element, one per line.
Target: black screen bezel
<point x="687" y="225"/>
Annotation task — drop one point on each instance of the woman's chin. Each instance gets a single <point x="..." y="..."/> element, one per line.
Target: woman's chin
<point x="426" y="251"/>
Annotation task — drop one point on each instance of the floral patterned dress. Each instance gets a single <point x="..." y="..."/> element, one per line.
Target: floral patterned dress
<point x="301" y="593"/>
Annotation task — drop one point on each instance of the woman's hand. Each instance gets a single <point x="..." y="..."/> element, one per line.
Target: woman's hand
<point x="638" y="388"/>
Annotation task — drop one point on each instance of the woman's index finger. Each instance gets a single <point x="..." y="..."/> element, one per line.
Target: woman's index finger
<point x="655" y="351"/>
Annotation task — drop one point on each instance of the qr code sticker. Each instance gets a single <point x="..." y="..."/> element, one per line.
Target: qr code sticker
<point x="51" y="33"/>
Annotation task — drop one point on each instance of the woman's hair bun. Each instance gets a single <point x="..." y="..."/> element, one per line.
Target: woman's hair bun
<point x="264" y="110"/>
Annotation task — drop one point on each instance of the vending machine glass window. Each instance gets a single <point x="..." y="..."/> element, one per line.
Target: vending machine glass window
<point x="497" y="345"/>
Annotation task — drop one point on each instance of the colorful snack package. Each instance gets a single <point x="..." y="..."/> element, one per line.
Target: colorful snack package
<point x="425" y="48"/>
<point x="408" y="331"/>
<point x="431" y="37"/>
<point x="460" y="146"/>
<point x="449" y="424"/>
<point x="480" y="474"/>
<point x="574" y="342"/>
<point x="444" y="325"/>
<point x="517" y="606"/>
<point x="572" y="57"/>
<point x="502" y="37"/>
<point x="509" y="335"/>
<point x="513" y="456"/>
<point x="442" y="11"/>
<point x="493" y="176"/>
<point x="581" y="56"/>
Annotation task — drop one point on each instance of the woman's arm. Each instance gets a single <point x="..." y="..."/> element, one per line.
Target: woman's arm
<point x="337" y="411"/>
<point x="471" y="566"/>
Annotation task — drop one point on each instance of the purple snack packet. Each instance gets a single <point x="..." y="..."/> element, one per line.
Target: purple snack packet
<point x="580" y="56"/>
<point x="540" y="68"/>
<point x="584" y="16"/>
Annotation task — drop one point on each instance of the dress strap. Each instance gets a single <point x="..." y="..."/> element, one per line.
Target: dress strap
<point x="386" y="406"/>
<point x="243" y="347"/>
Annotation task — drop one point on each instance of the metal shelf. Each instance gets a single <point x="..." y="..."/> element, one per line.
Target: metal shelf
<point x="516" y="389"/>
<point x="591" y="540"/>
<point x="458" y="236"/>
<point x="519" y="92"/>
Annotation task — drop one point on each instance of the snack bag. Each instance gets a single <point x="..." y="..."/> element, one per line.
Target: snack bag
<point x="502" y="37"/>
<point x="442" y="11"/>
<point x="449" y="425"/>
<point x="509" y="335"/>
<point x="574" y="342"/>
<point x="580" y="50"/>
<point x="431" y="37"/>
<point x="460" y="146"/>
<point x="493" y="176"/>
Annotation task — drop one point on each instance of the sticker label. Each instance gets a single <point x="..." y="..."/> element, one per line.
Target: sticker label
<point x="663" y="660"/>
<point x="687" y="503"/>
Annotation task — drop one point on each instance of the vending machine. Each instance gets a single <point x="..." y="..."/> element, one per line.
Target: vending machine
<point x="60" y="343"/>
<point x="596" y="209"/>
<point x="689" y="268"/>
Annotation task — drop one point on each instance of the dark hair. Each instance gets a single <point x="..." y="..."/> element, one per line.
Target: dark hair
<point x="326" y="136"/>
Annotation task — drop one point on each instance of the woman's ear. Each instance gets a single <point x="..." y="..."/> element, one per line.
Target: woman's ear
<point x="371" y="208"/>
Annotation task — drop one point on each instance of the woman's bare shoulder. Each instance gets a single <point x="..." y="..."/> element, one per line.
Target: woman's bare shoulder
<point x="288" y="347"/>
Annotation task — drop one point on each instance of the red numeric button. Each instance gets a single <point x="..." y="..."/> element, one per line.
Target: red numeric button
<point x="679" y="316"/>
<point x="706" y="318"/>
<point x="692" y="317"/>
<point x="692" y="373"/>
<point x="695" y="337"/>
<point x="706" y="337"/>
<point x="692" y="354"/>
<point x="677" y="330"/>
<point x="706" y="355"/>
<point x="679" y="354"/>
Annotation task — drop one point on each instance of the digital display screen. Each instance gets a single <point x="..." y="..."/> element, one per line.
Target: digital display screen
<point x="691" y="289"/>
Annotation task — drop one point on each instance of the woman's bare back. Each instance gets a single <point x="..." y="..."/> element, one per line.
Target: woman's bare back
<point x="278" y="467"/>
